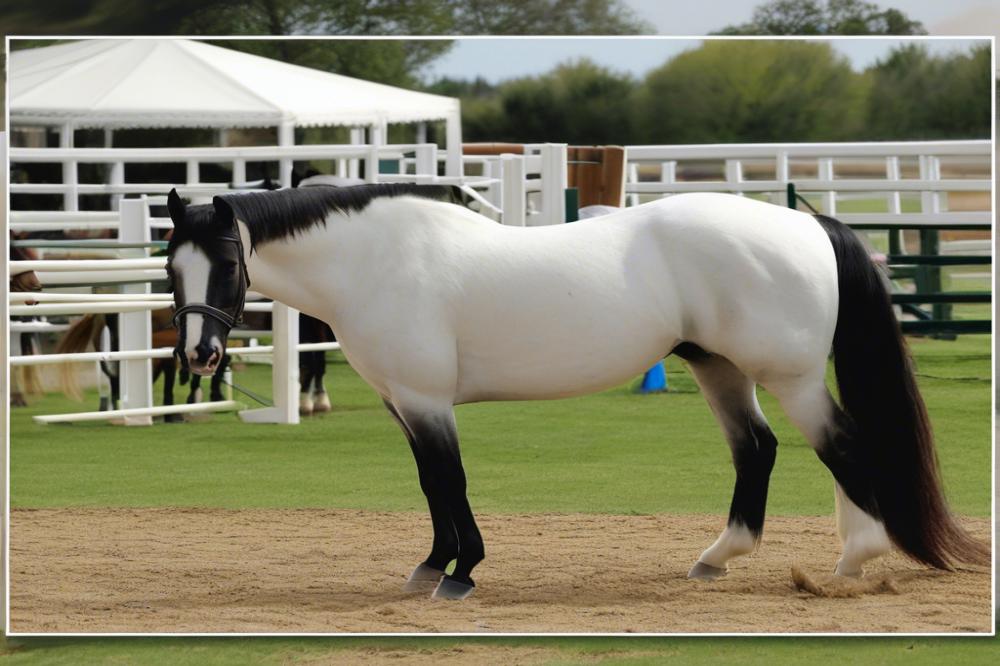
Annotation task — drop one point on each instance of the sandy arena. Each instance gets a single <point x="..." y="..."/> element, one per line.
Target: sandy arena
<point x="313" y="570"/>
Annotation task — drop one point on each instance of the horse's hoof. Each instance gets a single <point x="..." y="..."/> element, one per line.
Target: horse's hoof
<point x="322" y="403"/>
<point x="845" y="572"/>
<point x="173" y="418"/>
<point x="423" y="579"/>
<point x="453" y="590"/>
<point x="702" y="571"/>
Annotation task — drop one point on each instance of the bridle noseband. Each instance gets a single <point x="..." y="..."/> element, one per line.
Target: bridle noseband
<point x="225" y="318"/>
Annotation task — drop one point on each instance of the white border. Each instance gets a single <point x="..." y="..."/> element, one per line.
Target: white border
<point x="5" y="136"/>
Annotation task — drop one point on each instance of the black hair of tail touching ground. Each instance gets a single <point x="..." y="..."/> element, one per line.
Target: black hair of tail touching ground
<point x="890" y="428"/>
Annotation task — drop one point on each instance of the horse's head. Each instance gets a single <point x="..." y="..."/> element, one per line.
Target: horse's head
<point x="208" y="278"/>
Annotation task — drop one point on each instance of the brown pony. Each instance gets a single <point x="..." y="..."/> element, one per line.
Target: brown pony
<point x="24" y="380"/>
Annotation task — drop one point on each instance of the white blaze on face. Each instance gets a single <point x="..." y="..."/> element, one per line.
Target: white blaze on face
<point x="194" y="267"/>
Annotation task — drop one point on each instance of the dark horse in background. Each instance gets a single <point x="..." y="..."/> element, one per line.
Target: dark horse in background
<point x="88" y="330"/>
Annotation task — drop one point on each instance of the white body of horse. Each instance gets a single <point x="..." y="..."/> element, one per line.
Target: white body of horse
<point x="456" y="309"/>
<point x="434" y="306"/>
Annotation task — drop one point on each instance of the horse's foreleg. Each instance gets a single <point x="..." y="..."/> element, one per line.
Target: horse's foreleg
<point x="216" y="391"/>
<point x="169" y="368"/>
<point x="442" y="477"/>
<point x="428" y="574"/>
<point x="194" y="396"/>
<point x="733" y="400"/>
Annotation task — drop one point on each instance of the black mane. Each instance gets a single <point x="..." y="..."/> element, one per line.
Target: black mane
<point x="282" y="213"/>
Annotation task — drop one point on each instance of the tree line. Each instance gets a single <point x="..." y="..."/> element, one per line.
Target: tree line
<point x="738" y="91"/>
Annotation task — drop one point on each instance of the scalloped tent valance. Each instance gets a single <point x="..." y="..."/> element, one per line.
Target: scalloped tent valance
<point x="117" y="83"/>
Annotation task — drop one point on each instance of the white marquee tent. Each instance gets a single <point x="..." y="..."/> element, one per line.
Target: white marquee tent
<point x="128" y="83"/>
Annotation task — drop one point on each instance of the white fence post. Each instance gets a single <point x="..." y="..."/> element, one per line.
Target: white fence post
<point x="71" y="197"/>
<point x="426" y="162"/>
<point x="284" y="371"/>
<point x="513" y="191"/>
<point x="554" y="180"/>
<point x="782" y="174"/>
<point x="632" y="176"/>
<point x="734" y="175"/>
<point x="193" y="172"/>
<point x="239" y="171"/>
<point x="135" y="329"/>
<point x="825" y="172"/>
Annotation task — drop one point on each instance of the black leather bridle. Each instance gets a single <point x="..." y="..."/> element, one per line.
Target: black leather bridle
<point x="227" y="319"/>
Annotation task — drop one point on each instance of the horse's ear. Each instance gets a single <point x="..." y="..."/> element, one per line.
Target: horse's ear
<point x="223" y="211"/>
<point x="178" y="211"/>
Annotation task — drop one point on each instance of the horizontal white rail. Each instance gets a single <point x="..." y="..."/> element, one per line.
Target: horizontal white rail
<point x="200" y="407"/>
<point x="814" y="185"/>
<point x="82" y="278"/>
<point x="37" y="327"/>
<point x="162" y="352"/>
<point x="66" y="265"/>
<point x="49" y="297"/>
<point x="68" y="226"/>
<point x="110" y="304"/>
<point x="770" y="150"/>
<point x="51" y="309"/>
<point x="215" y="154"/>
<point x="955" y="219"/>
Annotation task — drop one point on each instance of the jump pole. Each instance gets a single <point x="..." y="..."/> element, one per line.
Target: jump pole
<point x="140" y="413"/>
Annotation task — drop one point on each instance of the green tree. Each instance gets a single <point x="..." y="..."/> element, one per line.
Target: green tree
<point x="330" y="17"/>
<point x="578" y="102"/>
<point x="918" y="96"/>
<point x="736" y="91"/>
<point x="836" y="17"/>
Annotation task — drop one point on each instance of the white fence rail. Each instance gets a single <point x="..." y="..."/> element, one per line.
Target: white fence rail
<point x="813" y="167"/>
<point x="529" y="189"/>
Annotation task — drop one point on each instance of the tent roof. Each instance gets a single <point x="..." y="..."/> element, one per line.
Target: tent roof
<point x="182" y="83"/>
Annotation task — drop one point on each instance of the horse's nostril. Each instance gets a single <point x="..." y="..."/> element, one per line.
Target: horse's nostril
<point x="205" y="352"/>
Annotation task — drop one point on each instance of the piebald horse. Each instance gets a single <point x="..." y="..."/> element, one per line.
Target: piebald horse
<point x="746" y="292"/>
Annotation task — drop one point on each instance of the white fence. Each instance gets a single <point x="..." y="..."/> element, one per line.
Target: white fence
<point x="510" y="188"/>
<point x="529" y="190"/>
<point x="813" y="167"/>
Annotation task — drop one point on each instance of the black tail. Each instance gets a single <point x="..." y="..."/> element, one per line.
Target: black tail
<point x="890" y="426"/>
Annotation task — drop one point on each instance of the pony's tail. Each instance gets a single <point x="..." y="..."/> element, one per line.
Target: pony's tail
<point x="76" y="340"/>
<point x="890" y="426"/>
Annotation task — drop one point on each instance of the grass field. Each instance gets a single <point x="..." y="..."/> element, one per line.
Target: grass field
<point x="614" y="452"/>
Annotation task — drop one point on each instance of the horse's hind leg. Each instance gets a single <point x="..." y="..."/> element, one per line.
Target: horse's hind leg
<point x="733" y="400"/>
<point x="810" y="406"/>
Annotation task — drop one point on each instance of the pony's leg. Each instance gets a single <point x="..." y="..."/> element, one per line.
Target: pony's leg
<point x="813" y="410"/>
<point x="444" y="548"/>
<point x="215" y="394"/>
<point x="169" y="368"/>
<point x="321" y="402"/>
<point x="194" y="396"/>
<point x="443" y="478"/>
<point x="732" y="397"/>
<point x="305" y="383"/>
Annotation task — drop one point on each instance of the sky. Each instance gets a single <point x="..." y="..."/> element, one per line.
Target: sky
<point x="498" y="59"/>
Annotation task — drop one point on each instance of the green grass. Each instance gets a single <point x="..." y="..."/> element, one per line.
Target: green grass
<point x="614" y="452"/>
<point x="560" y="651"/>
